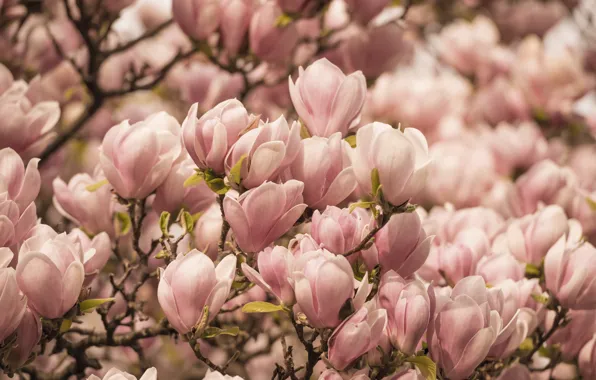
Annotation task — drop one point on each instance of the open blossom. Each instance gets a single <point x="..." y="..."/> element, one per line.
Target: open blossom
<point x="209" y="139"/>
<point x="499" y="267"/>
<point x="275" y="266"/>
<point x="325" y="167"/>
<point x="322" y="283"/>
<point x="265" y="151"/>
<point x="92" y="210"/>
<point x="21" y="185"/>
<point x="587" y="360"/>
<point x="116" y="374"/>
<point x="190" y="283"/>
<point x="401" y="159"/>
<point x="12" y="301"/>
<point x="28" y="335"/>
<point x="339" y="230"/>
<point x="326" y="99"/>
<point x="197" y="18"/>
<point x="569" y="274"/>
<point x="51" y="264"/>
<point x="24" y="126"/>
<point x="172" y="195"/>
<point x="410" y="308"/>
<point x="574" y="335"/>
<point x="401" y="245"/>
<point x="263" y="214"/>
<point x="137" y="158"/>
<point x="214" y="375"/>
<point x="15" y="224"/>
<point x="97" y="252"/>
<point x="356" y="335"/>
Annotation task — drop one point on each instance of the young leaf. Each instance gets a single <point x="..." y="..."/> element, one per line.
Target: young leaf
<point x="304" y="133"/>
<point x="375" y="181"/>
<point x="218" y="186"/>
<point x="261" y="307"/>
<point x="187" y="222"/>
<point x="532" y="270"/>
<point x="96" y="186"/>
<point x="88" y="305"/>
<point x="235" y="172"/>
<point x="65" y="326"/>
<point x="540" y="298"/>
<point x="351" y="140"/>
<point x="123" y="223"/>
<point x="211" y="332"/>
<point x="194" y="179"/>
<point x="591" y="203"/>
<point x="427" y="367"/>
<point x="164" y="222"/>
<point x="355" y="205"/>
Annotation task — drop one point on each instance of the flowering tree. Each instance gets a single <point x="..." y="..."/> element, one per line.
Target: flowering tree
<point x="297" y="189"/>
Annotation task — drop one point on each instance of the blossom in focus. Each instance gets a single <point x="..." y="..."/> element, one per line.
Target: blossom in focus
<point x="116" y="374"/>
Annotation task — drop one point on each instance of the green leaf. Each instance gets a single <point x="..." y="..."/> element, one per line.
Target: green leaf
<point x="200" y="327"/>
<point x="527" y="345"/>
<point x="236" y="170"/>
<point x="212" y="332"/>
<point x="532" y="270"/>
<point x="164" y="222"/>
<point x="122" y="222"/>
<point x="194" y="179"/>
<point x="261" y="307"/>
<point x="375" y="181"/>
<point x="65" y="326"/>
<point x="396" y="3"/>
<point x="283" y="21"/>
<point x="197" y="216"/>
<point x="351" y="140"/>
<point x="162" y="255"/>
<point x="304" y="133"/>
<point x="88" y="305"/>
<point x="540" y="298"/>
<point x="427" y="367"/>
<point x="355" y="205"/>
<point x="187" y="222"/>
<point x="218" y="186"/>
<point x="96" y="186"/>
<point x="591" y="203"/>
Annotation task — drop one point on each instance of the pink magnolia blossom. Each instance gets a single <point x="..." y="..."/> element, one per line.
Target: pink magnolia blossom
<point x="197" y="18"/>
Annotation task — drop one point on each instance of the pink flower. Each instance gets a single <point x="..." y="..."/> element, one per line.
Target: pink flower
<point x="208" y="231"/>
<point x="275" y="266"/>
<point x="325" y="167"/>
<point x="401" y="245"/>
<point x="326" y="99"/>
<point x="266" y="151"/>
<point x="14" y="223"/>
<point x="137" y="158"/>
<point x="587" y="360"/>
<point x="28" y="335"/>
<point x="355" y="336"/>
<point x="339" y="230"/>
<point x="464" y="329"/>
<point x="235" y="20"/>
<point x="322" y="283"/>
<point x="530" y="238"/>
<point x="172" y="196"/>
<point x="263" y="214"/>
<point x="24" y="126"/>
<point x="365" y="10"/>
<point x="209" y="138"/>
<point x="92" y="210"/>
<point x="269" y="41"/>
<point x="197" y="18"/>
<point x="499" y="267"/>
<point x="569" y="274"/>
<point x="12" y="301"/>
<point x="116" y="374"/>
<point x="401" y="159"/>
<point x="517" y="372"/>
<point x="573" y="336"/>
<point x="499" y="101"/>
<point x="97" y="252"/>
<point x="190" y="283"/>
<point x="50" y="272"/>
<point x="410" y="308"/>
<point x="21" y="185"/>
<point x="214" y="375"/>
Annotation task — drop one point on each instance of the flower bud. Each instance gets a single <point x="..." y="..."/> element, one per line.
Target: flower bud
<point x="235" y="20"/>
<point x="265" y="152"/>
<point x="92" y="210"/>
<point x="275" y="266"/>
<point x="192" y="282"/>
<point x="326" y="99"/>
<point x="401" y="245"/>
<point x="355" y="336"/>
<point x="12" y="301"/>
<point x="587" y="360"/>
<point x="568" y="272"/>
<point x="209" y="138"/>
<point x="401" y="159"/>
<point x="410" y="308"/>
<point x="50" y="272"/>
<point x="339" y="230"/>
<point x="197" y="18"/>
<point x="261" y="215"/>
<point x="499" y="267"/>
<point x="137" y="158"/>
<point x="14" y="224"/>
<point x="269" y="41"/>
<point x="28" y="335"/>
<point x="208" y="231"/>
<point x="21" y="185"/>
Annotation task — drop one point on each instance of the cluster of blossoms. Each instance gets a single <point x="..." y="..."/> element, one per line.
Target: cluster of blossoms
<point x="297" y="189"/>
